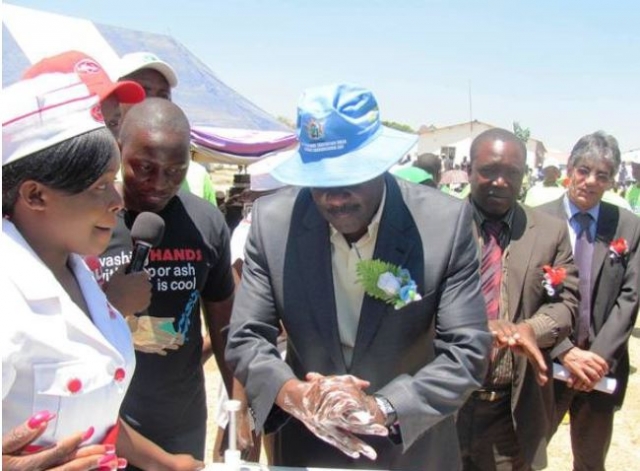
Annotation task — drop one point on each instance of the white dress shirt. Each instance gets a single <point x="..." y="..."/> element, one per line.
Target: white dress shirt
<point x="54" y="357"/>
<point x="349" y="292"/>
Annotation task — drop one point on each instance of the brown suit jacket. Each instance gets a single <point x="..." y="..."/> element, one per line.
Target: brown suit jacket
<point x="614" y="292"/>
<point x="537" y="240"/>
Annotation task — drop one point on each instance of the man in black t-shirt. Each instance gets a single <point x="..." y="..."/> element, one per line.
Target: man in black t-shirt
<point x="189" y="268"/>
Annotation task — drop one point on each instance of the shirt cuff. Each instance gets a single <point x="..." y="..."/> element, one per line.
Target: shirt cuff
<point x="545" y="329"/>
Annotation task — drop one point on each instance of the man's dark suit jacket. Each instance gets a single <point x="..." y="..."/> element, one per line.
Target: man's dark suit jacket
<point x="426" y="358"/>
<point x="614" y="293"/>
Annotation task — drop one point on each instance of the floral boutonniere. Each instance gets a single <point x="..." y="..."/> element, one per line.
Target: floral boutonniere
<point x="618" y="249"/>
<point x="553" y="279"/>
<point x="387" y="282"/>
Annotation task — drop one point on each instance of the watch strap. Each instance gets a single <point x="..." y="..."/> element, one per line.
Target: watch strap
<point x="388" y="411"/>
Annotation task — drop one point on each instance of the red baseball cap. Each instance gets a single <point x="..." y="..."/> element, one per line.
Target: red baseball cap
<point x="91" y="73"/>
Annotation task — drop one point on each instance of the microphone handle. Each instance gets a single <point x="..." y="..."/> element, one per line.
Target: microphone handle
<point x="138" y="257"/>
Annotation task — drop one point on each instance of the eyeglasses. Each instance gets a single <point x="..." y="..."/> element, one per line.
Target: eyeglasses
<point x="601" y="177"/>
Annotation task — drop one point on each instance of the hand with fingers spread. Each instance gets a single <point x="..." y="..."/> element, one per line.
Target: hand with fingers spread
<point x="521" y="339"/>
<point x="527" y="345"/>
<point x="586" y="368"/>
<point x="335" y="408"/>
<point x="67" y="454"/>
<point x="505" y="333"/>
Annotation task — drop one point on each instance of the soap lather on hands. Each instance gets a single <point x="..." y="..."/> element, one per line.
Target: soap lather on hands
<point x="335" y="408"/>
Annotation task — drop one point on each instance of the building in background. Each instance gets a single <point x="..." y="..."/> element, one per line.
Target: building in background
<point x="452" y="143"/>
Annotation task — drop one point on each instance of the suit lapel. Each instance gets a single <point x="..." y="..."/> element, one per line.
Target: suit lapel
<point x="395" y="245"/>
<point x="519" y="254"/>
<point x="558" y="209"/>
<point x="605" y="232"/>
<point x="313" y="252"/>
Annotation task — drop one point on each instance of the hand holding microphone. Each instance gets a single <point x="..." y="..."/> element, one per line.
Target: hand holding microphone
<point x="154" y="335"/>
<point x="129" y="289"/>
<point x="147" y="231"/>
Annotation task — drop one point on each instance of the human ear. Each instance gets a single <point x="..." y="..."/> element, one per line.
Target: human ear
<point x="33" y="195"/>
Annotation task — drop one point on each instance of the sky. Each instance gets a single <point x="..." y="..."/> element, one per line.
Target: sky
<point x="562" y="68"/>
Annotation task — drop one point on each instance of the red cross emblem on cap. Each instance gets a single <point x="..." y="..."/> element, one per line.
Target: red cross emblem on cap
<point x="87" y="66"/>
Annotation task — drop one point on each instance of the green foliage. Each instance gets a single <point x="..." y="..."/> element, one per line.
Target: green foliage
<point x="399" y="126"/>
<point x="368" y="273"/>
<point x="287" y="122"/>
<point x="391" y="124"/>
<point x="522" y="133"/>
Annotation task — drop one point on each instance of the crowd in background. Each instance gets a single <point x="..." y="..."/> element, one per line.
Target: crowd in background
<point x="539" y="185"/>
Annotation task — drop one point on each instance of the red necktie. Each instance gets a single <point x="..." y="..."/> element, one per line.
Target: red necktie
<point x="491" y="268"/>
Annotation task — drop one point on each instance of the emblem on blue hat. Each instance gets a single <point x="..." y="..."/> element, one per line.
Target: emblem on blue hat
<point x="315" y="130"/>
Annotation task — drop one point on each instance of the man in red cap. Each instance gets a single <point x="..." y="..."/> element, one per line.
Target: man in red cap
<point x="111" y="94"/>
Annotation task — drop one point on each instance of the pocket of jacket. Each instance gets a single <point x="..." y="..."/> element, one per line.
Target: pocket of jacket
<point x="82" y="394"/>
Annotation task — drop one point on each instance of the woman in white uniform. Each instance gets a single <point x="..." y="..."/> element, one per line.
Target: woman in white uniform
<point x="67" y="355"/>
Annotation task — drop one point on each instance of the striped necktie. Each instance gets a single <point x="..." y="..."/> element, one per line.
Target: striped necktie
<point x="491" y="268"/>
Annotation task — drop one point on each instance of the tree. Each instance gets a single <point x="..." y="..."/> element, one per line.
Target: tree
<point x="522" y="133"/>
<point x="287" y="122"/>
<point x="399" y="126"/>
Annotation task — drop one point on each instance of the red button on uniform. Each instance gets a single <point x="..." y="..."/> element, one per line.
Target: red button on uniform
<point x="119" y="374"/>
<point x="74" y="385"/>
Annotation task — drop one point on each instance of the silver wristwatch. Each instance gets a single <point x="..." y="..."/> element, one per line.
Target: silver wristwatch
<point x="389" y="413"/>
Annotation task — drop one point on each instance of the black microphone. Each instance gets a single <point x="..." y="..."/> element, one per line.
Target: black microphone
<point x="147" y="231"/>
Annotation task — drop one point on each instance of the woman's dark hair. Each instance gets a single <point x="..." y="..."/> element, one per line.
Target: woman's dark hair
<point x="71" y="166"/>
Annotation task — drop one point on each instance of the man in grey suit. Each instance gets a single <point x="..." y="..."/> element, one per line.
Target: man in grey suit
<point x="605" y="239"/>
<point x="361" y="377"/>
<point x="504" y="425"/>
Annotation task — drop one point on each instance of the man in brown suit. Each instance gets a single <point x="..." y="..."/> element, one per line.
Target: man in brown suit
<point x="504" y="425"/>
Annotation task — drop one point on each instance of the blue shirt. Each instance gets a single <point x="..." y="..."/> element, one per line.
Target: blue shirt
<point x="571" y="210"/>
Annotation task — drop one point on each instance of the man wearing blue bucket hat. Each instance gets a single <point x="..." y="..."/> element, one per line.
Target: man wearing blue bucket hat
<point x="375" y="280"/>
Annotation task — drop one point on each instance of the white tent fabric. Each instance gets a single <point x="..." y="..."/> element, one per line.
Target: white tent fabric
<point x="29" y="35"/>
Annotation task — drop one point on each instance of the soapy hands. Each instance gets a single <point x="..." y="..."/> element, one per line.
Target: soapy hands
<point x="335" y="408"/>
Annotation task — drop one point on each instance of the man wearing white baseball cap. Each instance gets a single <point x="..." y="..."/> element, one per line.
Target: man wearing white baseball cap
<point x="67" y="355"/>
<point x="154" y="75"/>
<point x="549" y="188"/>
<point x="375" y="281"/>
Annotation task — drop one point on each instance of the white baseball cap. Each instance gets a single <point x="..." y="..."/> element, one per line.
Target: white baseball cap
<point x="46" y="110"/>
<point x="135" y="61"/>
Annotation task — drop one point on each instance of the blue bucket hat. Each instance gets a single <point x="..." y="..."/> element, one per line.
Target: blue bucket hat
<point x="342" y="142"/>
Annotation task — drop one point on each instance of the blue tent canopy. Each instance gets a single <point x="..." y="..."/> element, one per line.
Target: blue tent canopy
<point x="29" y="35"/>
